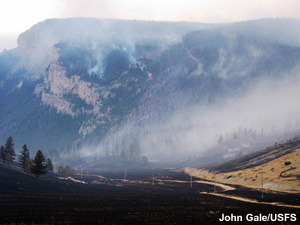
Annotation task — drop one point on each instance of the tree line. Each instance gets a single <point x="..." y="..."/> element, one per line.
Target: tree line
<point x="37" y="166"/>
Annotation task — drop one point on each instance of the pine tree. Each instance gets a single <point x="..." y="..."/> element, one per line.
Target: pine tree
<point x="10" y="149"/>
<point x="2" y="153"/>
<point x="135" y="151"/>
<point x="49" y="165"/>
<point x="24" y="158"/>
<point x="39" y="166"/>
<point x="8" y="157"/>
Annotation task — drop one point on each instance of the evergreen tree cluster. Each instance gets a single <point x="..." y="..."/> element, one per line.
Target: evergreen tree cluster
<point x="37" y="166"/>
<point x="8" y="153"/>
<point x="67" y="170"/>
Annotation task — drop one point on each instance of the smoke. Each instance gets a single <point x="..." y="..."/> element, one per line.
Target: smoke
<point x="270" y="107"/>
<point x="7" y="42"/>
<point x="263" y="115"/>
<point x="259" y="111"/>
<point x="264" y="109"/>
<point x="97" y="36"/>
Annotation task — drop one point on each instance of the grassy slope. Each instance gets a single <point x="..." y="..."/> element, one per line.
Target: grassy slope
<point x="280" y="167"/>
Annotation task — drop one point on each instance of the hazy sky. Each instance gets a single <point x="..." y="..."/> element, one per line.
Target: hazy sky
<point x="16" y="16"/>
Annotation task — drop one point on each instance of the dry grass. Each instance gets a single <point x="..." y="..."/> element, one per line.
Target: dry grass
<point x="281" y="174"/>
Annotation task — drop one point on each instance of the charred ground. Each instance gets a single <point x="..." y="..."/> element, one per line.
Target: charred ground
<point x="111" y="200"/>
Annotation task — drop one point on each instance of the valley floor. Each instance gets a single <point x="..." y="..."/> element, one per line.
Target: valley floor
<point x="106" y="198"/>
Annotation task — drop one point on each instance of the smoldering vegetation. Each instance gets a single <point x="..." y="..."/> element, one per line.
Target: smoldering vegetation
<point x="245" y="99"/>
<point x="100" y="52"/>
<point x="98" y="37"/>
<point x="266" y="114"/>
<point x="170" y="93"/>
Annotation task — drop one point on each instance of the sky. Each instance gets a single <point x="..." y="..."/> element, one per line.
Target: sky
<point x="16" y="16"/>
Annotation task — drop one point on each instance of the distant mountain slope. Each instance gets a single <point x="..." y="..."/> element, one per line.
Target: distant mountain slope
<point x="69" y="77"/>
<point x="90" y="88"/>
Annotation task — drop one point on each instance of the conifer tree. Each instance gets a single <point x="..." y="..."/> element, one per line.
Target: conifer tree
<point x="135" y="151"/>
<point x="2" y="153"/>
<point x="8" y="157"/>
<point x="49" y="165"/>
<point x="24" y="158"/>
<point x="10" y="149"/>
<point x="39" y="166"/>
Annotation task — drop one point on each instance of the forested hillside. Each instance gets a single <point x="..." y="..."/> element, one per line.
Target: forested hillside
<point x="135" y="90"/>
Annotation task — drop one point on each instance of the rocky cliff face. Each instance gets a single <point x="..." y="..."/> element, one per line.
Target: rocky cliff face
<point x="35" y="48"/>
<point x="56" y="85"/>
<point x="84" y="72"/>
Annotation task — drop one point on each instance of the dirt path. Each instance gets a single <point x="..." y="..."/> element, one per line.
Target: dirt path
<point x="72" y="179"/>
<point x="251" y="200"/>
<point x="223" y="186"/>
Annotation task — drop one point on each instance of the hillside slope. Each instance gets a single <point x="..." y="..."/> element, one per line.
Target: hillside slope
<point x="83" y="89"/>
<point x="275" y="168"/>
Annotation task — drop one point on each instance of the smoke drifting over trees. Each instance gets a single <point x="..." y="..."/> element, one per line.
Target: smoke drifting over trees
<point x="137" y="91"/>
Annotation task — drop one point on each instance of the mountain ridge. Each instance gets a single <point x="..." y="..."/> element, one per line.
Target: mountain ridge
<point x="116" y="80"/>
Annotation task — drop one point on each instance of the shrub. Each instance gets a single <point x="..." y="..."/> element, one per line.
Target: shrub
<point x="67" y="170"/>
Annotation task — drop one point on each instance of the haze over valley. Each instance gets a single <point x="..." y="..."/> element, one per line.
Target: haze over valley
<point x="120" y="93"/>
